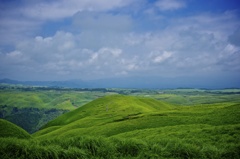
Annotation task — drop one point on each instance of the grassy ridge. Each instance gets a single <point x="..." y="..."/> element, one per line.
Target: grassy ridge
<point x="110" y="107"/>
<point x="33" y="108"/>
<point x="8" y="129"/>
<point x="68" y="100"/>
<point x="120" y="126"/>
<point x="109" y="114"/>
<point x="197" y="96"/>
<point x="30" y="119"/>
<point x="117" y="114"/>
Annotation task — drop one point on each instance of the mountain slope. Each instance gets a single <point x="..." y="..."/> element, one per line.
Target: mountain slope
<point x="134" y="127"/>
<point x="124" y="116"/>
<point x="110" y="111"/>
<point x="8" y="129"/>
<point x="114" y="106"/>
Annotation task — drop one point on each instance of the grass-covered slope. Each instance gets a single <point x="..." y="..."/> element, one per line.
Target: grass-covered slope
<point x="44" y="99"/>
<point x="111" y="106"/>
<point x="117" y="114"/>
<point x="135" y="127"/>
<point x="8" y="129"/>
<point x="110" y="111"/>
<point x="32" y="108"/>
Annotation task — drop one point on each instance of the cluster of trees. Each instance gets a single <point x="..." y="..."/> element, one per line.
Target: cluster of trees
<point x="30" y="119"/>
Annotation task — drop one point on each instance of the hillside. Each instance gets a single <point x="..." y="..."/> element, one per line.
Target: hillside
<point x="143" y="127"/>
<point x="8" y="129"/>
<point x="119" y="126"/>
<point x="32" y="107"/>
<point x="107" y="111"/>
<point x="118" y="114"/>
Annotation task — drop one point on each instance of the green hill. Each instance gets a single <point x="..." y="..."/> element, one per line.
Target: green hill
<point x="105" y="112"/>
<point x="8" y="129"/>
<point x="31" y="109"/>
<point x="118" y="114"/>
<point x="120" y="126"/>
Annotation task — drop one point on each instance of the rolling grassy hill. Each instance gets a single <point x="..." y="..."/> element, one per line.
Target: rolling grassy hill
<point x="8" y="129"/>
<point x="200" y="131"/>
<point x="110" y="111"/>
<point x="112" y="115"/>
<point x="112" y="107"/>
<point x="31" y="108"/>
<point x="119" y="126"/>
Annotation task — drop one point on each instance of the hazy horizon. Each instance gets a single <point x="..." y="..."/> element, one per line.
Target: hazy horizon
<point x="147" y="43"/>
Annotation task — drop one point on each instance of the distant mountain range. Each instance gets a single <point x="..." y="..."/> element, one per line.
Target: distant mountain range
<point x="134" y="82"/>
<point x="70" y="83"/>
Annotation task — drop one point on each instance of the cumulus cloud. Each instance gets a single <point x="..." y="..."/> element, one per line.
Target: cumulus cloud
<point x="159" y="58"/>
<point x="103" y="54"/>
<point x="21" y="21"/>
<point x="100" y="43"/>
<point x="59" y="55"/>
<point x="181" y="50"/>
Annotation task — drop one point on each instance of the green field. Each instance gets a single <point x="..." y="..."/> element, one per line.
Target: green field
<point x="180" y="123"/>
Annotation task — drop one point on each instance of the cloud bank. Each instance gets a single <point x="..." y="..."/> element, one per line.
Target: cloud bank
<point x="103" y="39"/>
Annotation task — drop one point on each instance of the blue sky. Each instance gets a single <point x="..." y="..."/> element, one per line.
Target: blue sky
<point x="148" y="39"/>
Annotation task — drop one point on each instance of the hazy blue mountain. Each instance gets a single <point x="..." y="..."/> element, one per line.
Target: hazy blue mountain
<point x="136" y="82"/>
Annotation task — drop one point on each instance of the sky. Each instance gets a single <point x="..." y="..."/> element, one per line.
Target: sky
<point x="121" y="39"/>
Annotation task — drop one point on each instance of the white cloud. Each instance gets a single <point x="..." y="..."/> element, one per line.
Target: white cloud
<point x="15" y="58"/>
<point x="14" y="54"/>
<point x="131" y="67"/>
<point x="66" y="8"/>
<point x="58" y="56"/>
<point x="165" y="5"/>
<point x="104" y="44"/>
<point x="104" y="54"/>
<point x="22" y="21"/>
<point x="162" y="57"/>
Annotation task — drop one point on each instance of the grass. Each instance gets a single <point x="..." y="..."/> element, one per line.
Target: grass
<point x="46" y="99"/>
<point x="116" y="147"/>
<point x="34" y="108"/>
<point x="108" y="109"/>
<point x="119" y="126"/>
<point x="195" y="96"/>
<point x="8" y="129"/>
<point x="160" y="130"/>
<point x="133" y="113"/>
